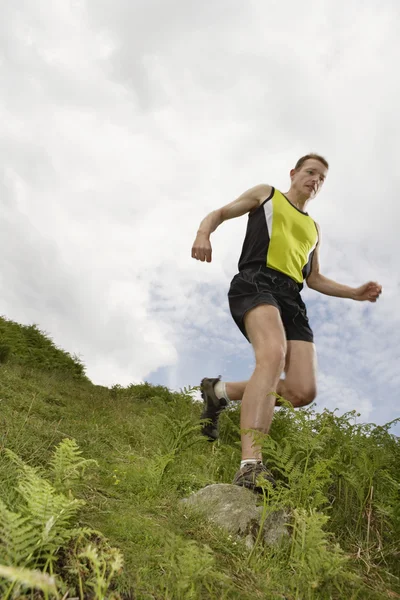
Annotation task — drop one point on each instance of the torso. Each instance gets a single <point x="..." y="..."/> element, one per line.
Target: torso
<point x="281" y="237"/>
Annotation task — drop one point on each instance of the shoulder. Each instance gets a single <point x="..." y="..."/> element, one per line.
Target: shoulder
<point x="262" y="192"/>
<point x="264" y="189"/>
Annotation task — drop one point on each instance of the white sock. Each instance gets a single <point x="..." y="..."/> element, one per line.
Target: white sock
<point x="249" y="461"/>
<point x="220" y="391"/>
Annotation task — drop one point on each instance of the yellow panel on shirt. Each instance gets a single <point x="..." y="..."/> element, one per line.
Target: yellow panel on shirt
<point x="280" y="236"/>
<point x="293" y="237"/>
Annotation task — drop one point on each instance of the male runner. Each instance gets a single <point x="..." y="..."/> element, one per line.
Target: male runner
<point x="280" y="252"/>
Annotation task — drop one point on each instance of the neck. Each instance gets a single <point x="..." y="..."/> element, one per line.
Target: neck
<point x="299" y="200"/>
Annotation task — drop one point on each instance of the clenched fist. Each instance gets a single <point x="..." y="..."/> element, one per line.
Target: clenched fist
<point x="369" y="291"/>
<point x="201" y="249"/>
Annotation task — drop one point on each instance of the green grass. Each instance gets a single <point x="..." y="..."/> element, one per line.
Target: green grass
<point x="341" y="482"/>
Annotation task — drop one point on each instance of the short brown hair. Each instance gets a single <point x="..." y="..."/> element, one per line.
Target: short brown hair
<point x="303" y="159"/>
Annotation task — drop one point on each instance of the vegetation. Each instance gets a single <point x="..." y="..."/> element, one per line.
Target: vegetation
<point x="91" y="478"/>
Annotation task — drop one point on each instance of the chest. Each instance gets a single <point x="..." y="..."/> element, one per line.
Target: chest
<point x="289" y="222"/>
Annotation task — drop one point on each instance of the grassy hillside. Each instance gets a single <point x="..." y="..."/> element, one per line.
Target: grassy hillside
<point x="341" y="482"/>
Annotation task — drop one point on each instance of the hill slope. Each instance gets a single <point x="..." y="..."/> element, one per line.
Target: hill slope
<point x="340" y="480"/>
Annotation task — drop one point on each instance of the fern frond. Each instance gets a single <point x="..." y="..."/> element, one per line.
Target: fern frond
<point x="18" y="540"/>
<point x="19" y="463"/>
<point x="67" y="465"/>
<point x="49" y="513"/>
<point x="29" y="579"/>
<point x="178" y="436"/>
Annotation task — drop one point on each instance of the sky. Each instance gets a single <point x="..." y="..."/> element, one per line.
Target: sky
<point x="124" y="123"/>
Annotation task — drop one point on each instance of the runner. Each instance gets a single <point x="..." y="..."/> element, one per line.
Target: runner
<point x="280" y="252"/>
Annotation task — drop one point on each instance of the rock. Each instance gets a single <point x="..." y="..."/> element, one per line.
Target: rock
<point x="238" y="511"/>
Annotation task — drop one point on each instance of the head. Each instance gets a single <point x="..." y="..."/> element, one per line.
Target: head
<point x="309" y="175"/>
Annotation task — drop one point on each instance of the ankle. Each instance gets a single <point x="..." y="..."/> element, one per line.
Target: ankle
<point x="250" y="461"/>
<point x="220" y="391"/>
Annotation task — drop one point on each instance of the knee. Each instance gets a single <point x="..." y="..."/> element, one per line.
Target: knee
<point x="273" y="354"/>
<point x="301" y="396"/>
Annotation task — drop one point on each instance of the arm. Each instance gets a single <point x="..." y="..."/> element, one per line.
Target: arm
<point x="368" y="291"/>
<point x="248" y="201"/>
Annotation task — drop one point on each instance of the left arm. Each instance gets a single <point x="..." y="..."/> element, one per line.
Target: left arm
<point x="368" y="291"/>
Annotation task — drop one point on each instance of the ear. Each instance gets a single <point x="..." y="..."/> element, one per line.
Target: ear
<point x="292" y="172"/>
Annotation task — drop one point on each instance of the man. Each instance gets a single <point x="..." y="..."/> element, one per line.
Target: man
<point x="280" y="252"/>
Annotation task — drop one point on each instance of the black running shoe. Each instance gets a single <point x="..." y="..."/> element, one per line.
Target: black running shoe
<point x="213" y="407"/>
<point x="248" y="475"/>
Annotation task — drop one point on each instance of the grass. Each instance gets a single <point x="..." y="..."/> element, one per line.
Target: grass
<point x="340" y="481"/>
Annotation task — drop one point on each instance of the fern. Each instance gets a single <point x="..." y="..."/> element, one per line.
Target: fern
<point x="175" y="438"/>
<point x="67" y="465"/>
<point x="19" y="463"/>
<point x="314" y="559"/>
<point x="45" y="524"/>
<point x="306" y="480"/>
<point x="49" y="513"/>
<point x="18" y="539"/>
<point x="27" y="578"/>
<point x="190" y="571"/>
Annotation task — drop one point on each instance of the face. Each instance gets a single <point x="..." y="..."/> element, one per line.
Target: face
<point x="309" y="179"/>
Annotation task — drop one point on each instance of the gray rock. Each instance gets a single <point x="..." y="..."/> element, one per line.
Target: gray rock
<point x="238" y="511"/>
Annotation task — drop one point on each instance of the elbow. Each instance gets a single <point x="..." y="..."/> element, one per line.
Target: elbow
<point x="312" y="281"/>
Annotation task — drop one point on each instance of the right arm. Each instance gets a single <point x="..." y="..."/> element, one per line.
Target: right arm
<point x="248" y="201"/>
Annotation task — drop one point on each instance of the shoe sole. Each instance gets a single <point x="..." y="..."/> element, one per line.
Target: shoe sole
<point x="251" y="487"/>
<point x="206" y="395"/>
<point x="208" y="399"/>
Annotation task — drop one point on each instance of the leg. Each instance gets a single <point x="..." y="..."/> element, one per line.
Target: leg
<point x="299" y="386"/>
<point x="267" y="336"/>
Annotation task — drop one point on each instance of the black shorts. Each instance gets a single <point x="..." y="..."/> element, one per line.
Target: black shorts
<point x="262" y="285"/>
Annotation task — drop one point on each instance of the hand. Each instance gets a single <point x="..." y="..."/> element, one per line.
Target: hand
<point x="369" y="291"/>
<point x="202" y="248"/>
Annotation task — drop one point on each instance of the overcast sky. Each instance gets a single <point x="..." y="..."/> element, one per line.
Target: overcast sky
<point x="124" y="122"/>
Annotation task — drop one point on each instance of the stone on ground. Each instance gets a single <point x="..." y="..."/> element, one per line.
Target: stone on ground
<point x="239" y="511"/>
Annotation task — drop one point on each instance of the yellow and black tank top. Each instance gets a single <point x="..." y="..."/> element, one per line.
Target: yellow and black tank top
<point x="281" y="237"/>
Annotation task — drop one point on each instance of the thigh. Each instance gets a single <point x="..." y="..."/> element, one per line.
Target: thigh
<point x="265" y="330"/>
<point x="301" y="367"/>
